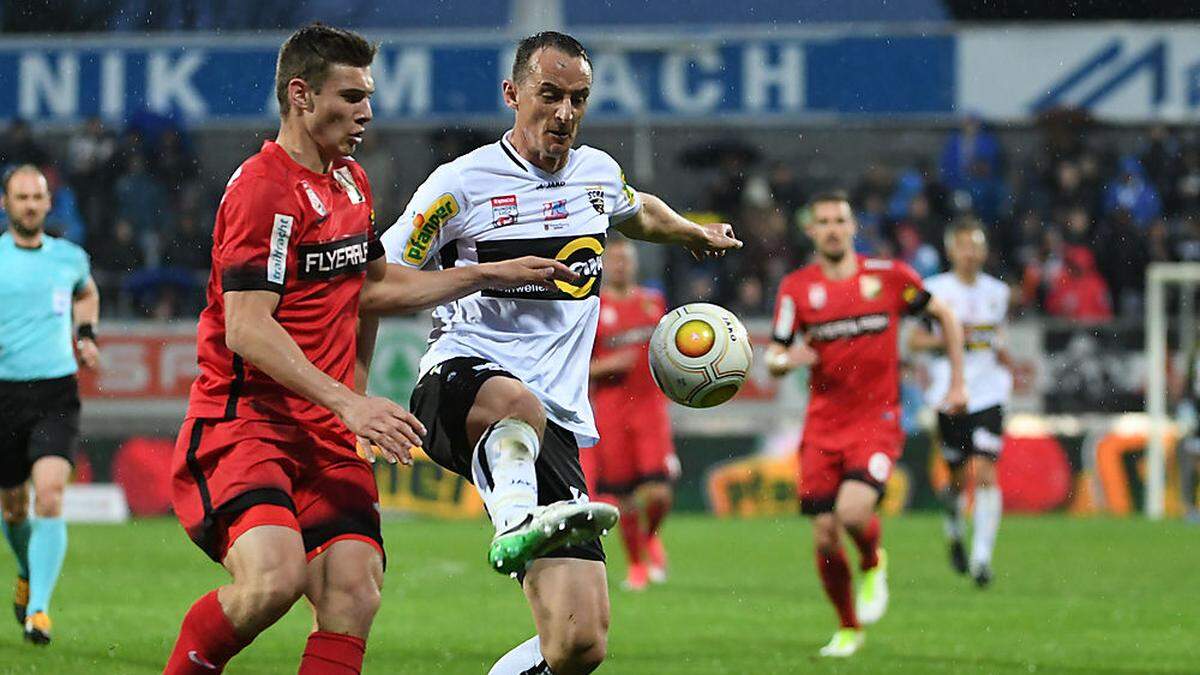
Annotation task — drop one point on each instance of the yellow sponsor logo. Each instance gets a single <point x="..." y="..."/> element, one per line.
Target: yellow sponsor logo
<point x="587" y="267"/>
<point x="627" y="191"/>
<point x="426" y="227"/>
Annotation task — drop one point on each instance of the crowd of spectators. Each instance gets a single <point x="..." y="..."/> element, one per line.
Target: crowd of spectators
<point x="1072" y="228"/>
<point x="1072" y="225"/>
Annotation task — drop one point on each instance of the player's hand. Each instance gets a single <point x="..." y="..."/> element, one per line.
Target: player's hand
<point x="384" y="423"/>
<point x="717" y="238"/>
<point x="800" y="354"/>
<point x="368" y="451"/>
<point x="527" y="270"/>
<point x="956" y="400"/>
<point x="87" y="353"/>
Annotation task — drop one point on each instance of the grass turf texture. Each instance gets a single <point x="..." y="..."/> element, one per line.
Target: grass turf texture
<point x="1073" y="596"/>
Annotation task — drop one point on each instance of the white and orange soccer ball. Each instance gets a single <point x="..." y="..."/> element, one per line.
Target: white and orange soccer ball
<point x="700" y="355"/>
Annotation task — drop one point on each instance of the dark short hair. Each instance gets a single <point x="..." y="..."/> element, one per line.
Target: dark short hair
<point x="19" y="168"/>
<point x="547" y="38"/>
<point x="829" y="196"/>
<point x="963" y="223"/>
<point x="309" y="53"/>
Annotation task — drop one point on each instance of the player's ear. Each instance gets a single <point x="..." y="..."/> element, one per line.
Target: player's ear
<point x="509" y="90"/>
<point x="300" y="95"/>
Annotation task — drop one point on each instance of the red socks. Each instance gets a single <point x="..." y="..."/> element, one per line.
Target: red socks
<point x="631" y="536"/>
<point x="332" y="654"/>
<point x="867" y="540"/>
<point x="835" y="577"/>
<point x="206" y="640"/>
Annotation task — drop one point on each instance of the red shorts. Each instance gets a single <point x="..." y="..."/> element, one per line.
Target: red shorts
<point x="869" y="458"/>
<point x="222" y="469"/>
<point x="632" y="450"/>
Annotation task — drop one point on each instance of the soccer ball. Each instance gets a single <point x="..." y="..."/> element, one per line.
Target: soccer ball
<point x="700" y="355"/>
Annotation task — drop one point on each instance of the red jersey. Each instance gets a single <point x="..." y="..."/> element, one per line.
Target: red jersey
<point x="853" y="325"/>
<point x="626" y="323"/>
<point x="307" y="236"/>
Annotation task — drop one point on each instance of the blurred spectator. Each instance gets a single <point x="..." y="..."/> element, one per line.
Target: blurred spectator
<point x="1185" y="246"/>
<point x="983" y="193"/>
<point x="1122" y="257"/>
<point x="913" y="250"/>
<point x="18" y="146"/>
<point x="90" y="170"/>
<point x="142" y="202"/>
<point x="175" y="167"/>
<point x="968" y="145"/>
<point x="872" y="225"/>
<point x="1079" y="292"/>
<point x="119" y="253"/>
<point x="1133" y="193"/>
<point x="64" y="219"/>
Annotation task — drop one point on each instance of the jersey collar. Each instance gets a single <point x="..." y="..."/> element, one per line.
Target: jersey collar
<point x="276" y="150"/>
<point x="511" y="150"/>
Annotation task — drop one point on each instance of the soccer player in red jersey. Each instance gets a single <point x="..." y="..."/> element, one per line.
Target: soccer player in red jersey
<point x="634" y="462"/>
<point x="840" y="317"/>
<point x="266" y="476"/>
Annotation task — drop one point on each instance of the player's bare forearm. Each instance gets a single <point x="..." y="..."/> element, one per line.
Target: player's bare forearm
<point x="396" y="289"/>
<point x="612" y="365"/>
<point x="923" y="340"/>
<point x="364" y="350"/>
<point x="252" y="332"/>
<point x="659" y="223"/>
<point x="85" y="307"/>
<point x="778" y="363"/>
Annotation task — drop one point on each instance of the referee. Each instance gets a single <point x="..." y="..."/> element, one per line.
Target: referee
<point x="47" y="301"/>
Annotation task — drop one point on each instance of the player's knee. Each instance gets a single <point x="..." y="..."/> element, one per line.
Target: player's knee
<point x="854" y="516"/>
<point x="825" y="534"/>
<point x="47" y="501"/>
<point x="502" y="398"/>
<point x="581" y="652"/>
<point x="273" y="591"/>
<point x="15" y="504"/>
<point x="354" y="601"/>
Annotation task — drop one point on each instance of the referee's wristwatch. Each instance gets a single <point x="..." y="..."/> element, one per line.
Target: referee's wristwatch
<point x="86" y="331"/>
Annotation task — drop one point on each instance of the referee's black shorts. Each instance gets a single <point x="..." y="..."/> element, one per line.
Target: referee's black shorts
<point x="38" y="418"/>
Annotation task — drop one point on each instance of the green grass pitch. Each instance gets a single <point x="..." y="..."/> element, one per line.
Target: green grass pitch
<point x="1070" y="596"/>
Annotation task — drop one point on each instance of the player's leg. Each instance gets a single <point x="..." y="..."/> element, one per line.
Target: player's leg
<point x="14" y="503"/>
<point x="569" y="600"/>
<point x="988" y="509"/>
<point x="47" y="542"/>
<point x="987" y="428"/>
<point x="657" y="467"/>
<point x="953" y="441"/>
<point x="855" y="509"/>
<point x="505" y="425"/>
<point x="819" y="475"/>
<point x="267" y="566"/>
<point x="618" y="455"/>
<point x="344" y="584"/>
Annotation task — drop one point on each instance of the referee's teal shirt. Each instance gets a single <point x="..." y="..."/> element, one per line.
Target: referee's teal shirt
<point x="37" y="288"/>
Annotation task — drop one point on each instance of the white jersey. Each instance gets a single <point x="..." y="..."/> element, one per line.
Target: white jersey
<point x="982" y="308"/>
<point x="491" y="205"/>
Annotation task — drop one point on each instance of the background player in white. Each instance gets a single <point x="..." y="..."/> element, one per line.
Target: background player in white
<point x="503" y="391"/>
<point x="971" y="442"/>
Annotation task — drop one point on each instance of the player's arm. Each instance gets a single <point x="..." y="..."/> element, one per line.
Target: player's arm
<point x="921" y="339"/>
<point x="613" y="365"/>
<point x="399" y="289"/>
<point x="952" y="332"/>
<point x="252" y="332"/>
<point x="788" y="349"/>
<point x="85" y="314"/>
<point x="659" y="223"/>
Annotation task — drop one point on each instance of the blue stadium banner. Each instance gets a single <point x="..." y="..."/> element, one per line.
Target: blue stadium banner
<point x="214" y="79"/>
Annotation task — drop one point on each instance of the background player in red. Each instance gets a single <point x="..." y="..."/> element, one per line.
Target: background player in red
<point x="845" y="310"/>
<point x="634" y="462"/>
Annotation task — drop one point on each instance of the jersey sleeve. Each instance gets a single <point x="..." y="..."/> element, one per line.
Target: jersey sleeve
<point x="628" y="201"/>
<point x="430" y="221"/>
<point x="912" y="297"/>
<point x="260" y="219"/>
<point x="787" y="316"/>
<point x="83" y="270"/>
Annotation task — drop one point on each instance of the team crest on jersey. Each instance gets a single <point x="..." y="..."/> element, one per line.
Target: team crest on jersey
<point x="595" y="195"/>
<point x="869" y="285"/>
<point x="343" y="177"/>
<point x="426" y="226"/>
<point x="314" y="200"/>
<point x="504" y="210"/>
<point x="817" y="296"/>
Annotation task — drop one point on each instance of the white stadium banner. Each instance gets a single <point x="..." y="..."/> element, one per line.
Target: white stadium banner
<point x="1121" y="72"/>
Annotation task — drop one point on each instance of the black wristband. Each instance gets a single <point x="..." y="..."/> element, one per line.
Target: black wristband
<point x="86" y="331"/>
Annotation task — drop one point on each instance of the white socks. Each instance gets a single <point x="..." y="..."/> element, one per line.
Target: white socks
<point x="988" y="506"/>
<point x="503" y="468"/>
<point x="524" y="659"/>
<point x="955" y="524"/>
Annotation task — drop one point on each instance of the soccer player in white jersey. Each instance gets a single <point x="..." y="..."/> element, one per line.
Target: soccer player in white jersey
<point x="971" y="441"/>
<point x="504" y="385"/>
